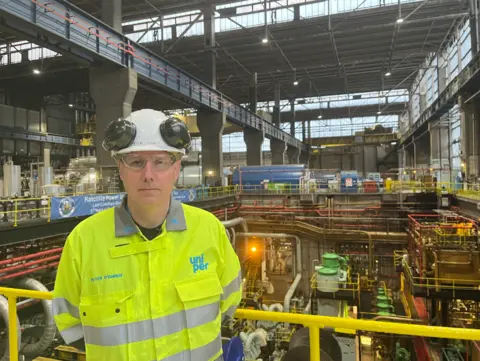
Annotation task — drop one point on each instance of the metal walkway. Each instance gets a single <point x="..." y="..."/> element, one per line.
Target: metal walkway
<point x="64" y="28"/>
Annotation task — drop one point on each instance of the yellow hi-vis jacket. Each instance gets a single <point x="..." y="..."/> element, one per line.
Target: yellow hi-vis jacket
<point x="138" y="300"/>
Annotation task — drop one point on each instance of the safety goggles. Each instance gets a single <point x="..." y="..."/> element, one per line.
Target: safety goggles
<point x="138" y="162"/>
<point x="121" y="133"/>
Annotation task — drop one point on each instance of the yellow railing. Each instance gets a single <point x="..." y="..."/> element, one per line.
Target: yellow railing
<point x="17" y="208"/>
<point x="19" y="205"/>
<point x="276" y="188"/>
<point x="418" y="186"/>
<point x="432" y="283"/>
<point x="314" y="323"/>
<point x="403" y="296"/>
<point x="12" y="294"/>
<point x="461" y="236"/>
<point x="215" y="192"/>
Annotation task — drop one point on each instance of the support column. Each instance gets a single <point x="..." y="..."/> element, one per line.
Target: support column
<point x="304" y="157"/>
<point x="401" y="158"/>
<point x="47" y="150"/>
<point x="309" y="132"/>
<point x="293" y="155"/>
<point x="276" y="107"/>
<point x="292" y="119"/>
<point x="474" y="26"/>
<point x="304" y="131"/>
<point x="476" y="140"/>
<point x="211" y="124"/>
<point x="113" y="91"/>
<point x="442" y="78"/>
<point x="209" y="46"/>
<point x="278" y="148"/>
<point x="253" y="139"/>
<point x="439" y="152"/>
<point x="252" y="93"/>
<point x="112" y="14"/>
<point x="422" y="154"/>
<point x="469" y="140"/>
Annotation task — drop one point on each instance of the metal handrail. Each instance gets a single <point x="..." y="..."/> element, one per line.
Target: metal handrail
<point x="205" y="193"/>
<point x="314" y="323"/>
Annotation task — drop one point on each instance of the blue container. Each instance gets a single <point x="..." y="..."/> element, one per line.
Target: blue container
<point x="233" y="350"/>
<point x="349" y="181"/>
<point x="251" y="177"/>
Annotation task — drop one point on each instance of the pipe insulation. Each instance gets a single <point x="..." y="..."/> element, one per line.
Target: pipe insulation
<point x="39" y="347"/>
<point x="236" y="221"/>
<point x="4" y="315"/>
<point x="269" y="325"/>
<point x="253" y="342"/>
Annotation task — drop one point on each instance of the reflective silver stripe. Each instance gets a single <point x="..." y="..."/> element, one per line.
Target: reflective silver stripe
<point x="142" y="330"/>
<point x="203" y="353"/>
<point x="72" y="334"/>
<point x="62" y="305"/>
<point x="230" y="311"/>
<point x="232" y="287"/>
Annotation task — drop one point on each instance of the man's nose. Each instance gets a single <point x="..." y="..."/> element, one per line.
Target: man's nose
<point x="148" y="170"/>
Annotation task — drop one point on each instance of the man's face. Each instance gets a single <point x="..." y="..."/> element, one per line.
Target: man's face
<point x="153" y="183"/>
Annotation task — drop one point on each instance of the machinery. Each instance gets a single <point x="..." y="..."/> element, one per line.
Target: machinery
<point x="276" y="177"/>
<point x="340" y="257"/>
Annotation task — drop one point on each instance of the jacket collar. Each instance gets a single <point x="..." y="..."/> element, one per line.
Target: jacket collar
<point x="125" y="225"/>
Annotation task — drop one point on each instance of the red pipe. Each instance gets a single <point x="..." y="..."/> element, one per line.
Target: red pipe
<point x="28" y="264"/>
<point x="421" y="349"/>
<point x="34" y="255"/>
<point x="33" y="270"/>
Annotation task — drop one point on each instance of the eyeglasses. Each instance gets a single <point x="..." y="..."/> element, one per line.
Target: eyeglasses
<point x="138" y="162"/>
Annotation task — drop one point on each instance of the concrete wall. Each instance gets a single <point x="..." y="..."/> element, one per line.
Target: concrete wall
<point x="240" y="158"/>
<point x="57" y="119"/>
<point x="60" y="119"/>
<point x="364" y="159"/>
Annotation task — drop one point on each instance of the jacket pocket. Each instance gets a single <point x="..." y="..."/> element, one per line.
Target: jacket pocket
<point x="200" y="297"/>
<point x="199" y="290"/>
<point x="106" y="322"/>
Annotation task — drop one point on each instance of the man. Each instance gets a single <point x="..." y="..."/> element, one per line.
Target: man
<point x="151" y="279"/>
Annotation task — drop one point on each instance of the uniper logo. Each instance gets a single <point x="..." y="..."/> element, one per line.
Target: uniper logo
<point x="198" y="263"/>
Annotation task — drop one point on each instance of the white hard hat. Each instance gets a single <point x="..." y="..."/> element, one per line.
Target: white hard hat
<point x="147" y="130"/>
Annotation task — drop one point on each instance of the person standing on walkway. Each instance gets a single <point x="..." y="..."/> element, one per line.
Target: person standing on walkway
<point x="151" y="279"/>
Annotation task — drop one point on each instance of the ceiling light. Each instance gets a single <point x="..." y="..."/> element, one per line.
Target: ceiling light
<point x="36" y="71"/>
<point x="388" y="73"/>
<point x="379" y="112"/>
<point x="70" y="105"/>
<point x="319" y="117"/>
<point x="399" y="20"/>
<point x="264" y="40"/>
<point x="295" y="83"/>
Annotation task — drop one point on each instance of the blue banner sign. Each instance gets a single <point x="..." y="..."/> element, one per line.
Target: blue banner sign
<point x="185" y="195"/>
<point x="79" y="206"/>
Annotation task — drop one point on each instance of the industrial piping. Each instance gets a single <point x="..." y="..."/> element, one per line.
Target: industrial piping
<point x="398" y="319"/>
<point x="298" y="263"/>
<point x="38" y="348"/>
<point x="328" y="232"/>
<point x="236" y="221"/>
